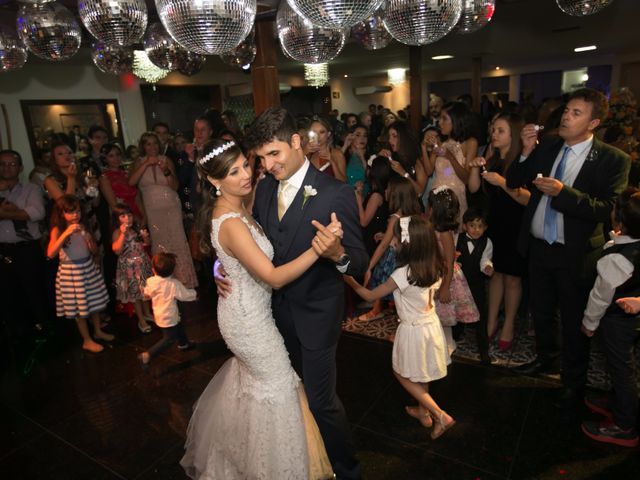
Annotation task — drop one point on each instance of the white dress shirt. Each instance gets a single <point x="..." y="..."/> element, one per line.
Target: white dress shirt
<point x="164" y="291"/>
<point x="487" y="254"/>
<point x="613" y="270"/>
<point x="27" y="197"/>
<point x="573" y="163"/>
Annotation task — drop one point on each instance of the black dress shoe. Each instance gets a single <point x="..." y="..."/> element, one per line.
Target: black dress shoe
<point x="569" y="399"/>
<point x="534" y="368"/>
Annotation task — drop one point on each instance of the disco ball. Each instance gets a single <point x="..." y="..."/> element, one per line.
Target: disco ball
<point x="35" y="1"/>
<point x="581" y="8"/>
<point x="244" y="54"/>
<point x="305" y="42"/>
<point x="113" y="60"/>
<point x="371" y="33"/>
<point x="117" y="23"/>
<point x="189" y="63"/>
<point x="475" y="15"/>
<point x="335" y="13"/>
<point x="49" y="30"/>
<point x="13" y="54"/>
<point x="208" y="27"/>
<point x="419" y="22"/>
<point x="160" y="47"/>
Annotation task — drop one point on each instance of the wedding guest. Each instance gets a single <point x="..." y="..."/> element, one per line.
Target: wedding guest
<point x="573" y="179"/>
<point x="404" y="155"/>
<point x="322" y="153"/>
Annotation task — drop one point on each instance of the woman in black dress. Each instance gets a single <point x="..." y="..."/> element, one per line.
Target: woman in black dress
<point x="505" y="209"/>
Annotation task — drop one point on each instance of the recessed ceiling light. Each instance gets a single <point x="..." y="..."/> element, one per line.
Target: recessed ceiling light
<point x="585" y="49"/>
<point x="497" y="68"/>
<point x="442" y="57"/>
<point x="346" y="76"/>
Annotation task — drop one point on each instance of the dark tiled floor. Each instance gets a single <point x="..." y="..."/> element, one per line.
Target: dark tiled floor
<point x="81" y="416"/>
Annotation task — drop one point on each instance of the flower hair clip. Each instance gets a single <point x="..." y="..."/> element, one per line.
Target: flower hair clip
<point x="404" y="229"/>
<point x="216" y="151"/>
<point x="440" y="189"/>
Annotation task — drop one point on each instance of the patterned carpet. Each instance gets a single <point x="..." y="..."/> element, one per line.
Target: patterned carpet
<point x="523" y="349"/>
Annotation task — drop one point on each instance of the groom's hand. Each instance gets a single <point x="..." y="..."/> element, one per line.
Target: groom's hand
<point x="327" y="242"/>
<point x="223" y="284"/>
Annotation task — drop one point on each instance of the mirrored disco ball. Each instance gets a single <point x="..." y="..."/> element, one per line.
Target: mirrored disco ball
<point x="475" y="15"/>
<point x="189" y="63"/>
<point x="305" y="42"/>
<point x="244" y="54"/>
<point x="35" y="1"/>
<point x="419" y="22"/>
<point x="113" y="60"/>
<point x="160" y="47"/>
<point x="371" y="33"/>
<point x="117" y="23"/>
<point x="581" y="8"/>
<point x="13" y="54"/>
<point x="49" y="30"/>
<point x="335" y="13"/>
<point x="208" y="27"/>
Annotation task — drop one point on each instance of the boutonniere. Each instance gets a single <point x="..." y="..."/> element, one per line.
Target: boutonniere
<point x="593" y="154"/>
<point x="309" y="191"/>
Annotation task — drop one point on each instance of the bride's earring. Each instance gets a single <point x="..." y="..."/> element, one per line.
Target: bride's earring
<point x="218" y="191"/>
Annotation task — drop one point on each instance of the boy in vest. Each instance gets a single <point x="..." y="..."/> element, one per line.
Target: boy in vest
<point x="476" y="251"/>
<point x="618" y="278"/>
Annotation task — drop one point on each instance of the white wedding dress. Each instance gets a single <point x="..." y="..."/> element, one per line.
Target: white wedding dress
<point x="253" y="420"/>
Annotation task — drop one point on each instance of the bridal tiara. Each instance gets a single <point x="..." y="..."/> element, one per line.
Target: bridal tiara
<point x="216" y="151"/>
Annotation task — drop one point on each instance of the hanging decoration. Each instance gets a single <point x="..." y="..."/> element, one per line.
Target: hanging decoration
<point x="420" y="22"/>
<point x="49" y="30"/>
<point x="13" y="54"/>
<point x="144" y="69"/>
<point x="316" y="74"/>
<point x="112" y="60"/>
<point x="117" y="23"/>
<point x="371" y="33"/>
<point x="335" y="13"/>
<point x="189" y="63"/>
<point x="208" y="27"/>
<point x="305" y="42"/>
<point x="243" y="55"/>
<point x="475" y="15"/>
<point x="581" y="8"/>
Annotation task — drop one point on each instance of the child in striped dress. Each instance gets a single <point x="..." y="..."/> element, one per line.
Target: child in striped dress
<point x="80" y="289"/>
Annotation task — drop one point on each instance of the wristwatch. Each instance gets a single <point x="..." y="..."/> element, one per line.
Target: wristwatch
<point x="343" y="261"/>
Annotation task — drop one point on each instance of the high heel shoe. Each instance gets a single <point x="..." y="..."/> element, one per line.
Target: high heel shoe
<point x="440" y="425"/>
<point x="425" y="419"/>
<point x="505" y="345"/>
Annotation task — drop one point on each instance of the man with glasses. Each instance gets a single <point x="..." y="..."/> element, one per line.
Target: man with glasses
<point x="21" y="255"/>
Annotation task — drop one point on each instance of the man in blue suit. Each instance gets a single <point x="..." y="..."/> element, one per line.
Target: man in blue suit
<point x="309" y="311"/>
<point x="574" y="180"/>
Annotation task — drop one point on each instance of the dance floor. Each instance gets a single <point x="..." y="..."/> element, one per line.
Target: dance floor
<point x="66" y="414"/>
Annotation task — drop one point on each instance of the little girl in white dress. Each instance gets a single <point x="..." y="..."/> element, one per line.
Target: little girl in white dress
<point x="419" y="350"/>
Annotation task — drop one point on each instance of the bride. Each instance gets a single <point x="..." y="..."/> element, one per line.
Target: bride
<point x="253" y="420"/>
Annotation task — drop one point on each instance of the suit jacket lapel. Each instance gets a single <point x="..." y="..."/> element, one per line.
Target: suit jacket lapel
<point x="294" y="216"/>
<point x="586" y="172"/>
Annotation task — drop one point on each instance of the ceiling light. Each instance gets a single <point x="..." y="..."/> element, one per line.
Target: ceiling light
<point x="442" y="57"/>
<point x="316" y="74"/>
<point x="585" y="49"/>
<point x="346" y="76"/>
<point x="497" y="68"/>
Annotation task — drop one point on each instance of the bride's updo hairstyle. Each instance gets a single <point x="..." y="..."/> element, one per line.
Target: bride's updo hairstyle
<point x="216" y="161"/>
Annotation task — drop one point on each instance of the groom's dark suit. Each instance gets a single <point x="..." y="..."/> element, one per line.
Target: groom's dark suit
<point x="309" y="311"/>
<point x="561" y="275"/>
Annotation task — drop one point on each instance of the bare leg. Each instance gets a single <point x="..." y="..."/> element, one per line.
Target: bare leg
<point x="97" y="329"/>
<point x="496" y="292"/>
<point x="87" y="342"/>
<point x="146" y="309"/>
<point x="512" y="296"/>
<point x="138" y="307"/>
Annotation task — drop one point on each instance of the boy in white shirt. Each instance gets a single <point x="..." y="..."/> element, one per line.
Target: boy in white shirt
<point x="607" y="310"/>
<point x="164" y="290"/>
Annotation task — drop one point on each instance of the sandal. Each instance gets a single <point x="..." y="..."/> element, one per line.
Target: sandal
<point x="144" y="329"/>
<point x="425" y="418"/>
<point x="439" y="426"/>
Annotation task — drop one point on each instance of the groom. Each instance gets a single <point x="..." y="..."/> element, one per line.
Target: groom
<point x="309" y="311"/>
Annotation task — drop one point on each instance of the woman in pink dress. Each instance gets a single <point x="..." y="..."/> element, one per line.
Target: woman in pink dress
<point x="155" y="176"/>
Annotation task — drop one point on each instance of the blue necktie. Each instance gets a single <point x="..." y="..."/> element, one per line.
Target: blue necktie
<point x="550" y="214"/>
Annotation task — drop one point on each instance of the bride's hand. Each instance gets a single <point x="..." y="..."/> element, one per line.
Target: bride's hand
<point x="223" y="284"/>
<point x="327" y="243"/>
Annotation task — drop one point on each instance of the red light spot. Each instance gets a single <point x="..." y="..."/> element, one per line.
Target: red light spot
<point x="490" y="10"/>
<point x="127" y="81"/>
<point x="562" y="471"/>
